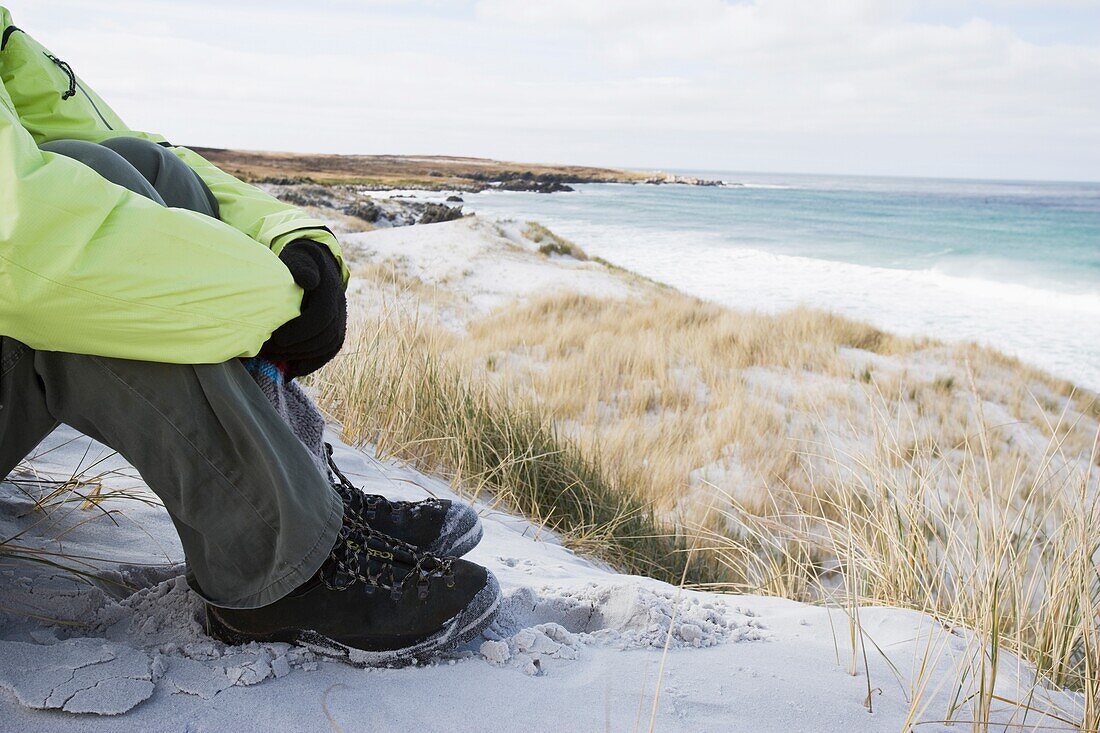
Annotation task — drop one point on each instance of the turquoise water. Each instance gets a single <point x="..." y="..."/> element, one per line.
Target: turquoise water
<point x="1012" y="264"/>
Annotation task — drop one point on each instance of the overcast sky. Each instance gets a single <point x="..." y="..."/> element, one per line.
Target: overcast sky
<point x="993" y="88"/>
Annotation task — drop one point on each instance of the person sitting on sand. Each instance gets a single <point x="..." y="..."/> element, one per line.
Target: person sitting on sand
<point x="134" y="278"/>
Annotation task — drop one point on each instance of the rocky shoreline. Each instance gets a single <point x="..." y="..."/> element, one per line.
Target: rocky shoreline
<point x="354" y="201"/>
<point x="333" y="200"/>
<point x="557" y="183"/>
<point x="513" y="181"/>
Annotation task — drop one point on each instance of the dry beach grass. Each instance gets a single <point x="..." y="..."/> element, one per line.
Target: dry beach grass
<point x="803" y="455"/>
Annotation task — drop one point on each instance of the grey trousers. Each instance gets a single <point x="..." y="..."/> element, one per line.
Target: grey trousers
<point x="254" y="515"/>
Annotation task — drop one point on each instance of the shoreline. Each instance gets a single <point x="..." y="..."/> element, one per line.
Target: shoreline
<point x="1047" y="324"/>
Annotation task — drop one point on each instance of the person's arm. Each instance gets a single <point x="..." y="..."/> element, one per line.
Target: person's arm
<point x="261" y="216"/>
<point x="89" y="267"/>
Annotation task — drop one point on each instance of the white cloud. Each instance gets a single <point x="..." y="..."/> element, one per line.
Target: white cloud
<point x="845" y="85"/>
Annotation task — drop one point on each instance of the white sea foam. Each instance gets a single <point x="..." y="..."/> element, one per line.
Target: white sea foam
<point x="1057" y="331"/>
<point x="775" y="186"/>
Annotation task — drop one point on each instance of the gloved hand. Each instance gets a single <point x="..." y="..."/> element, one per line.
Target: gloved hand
<point x="309" y="341"/>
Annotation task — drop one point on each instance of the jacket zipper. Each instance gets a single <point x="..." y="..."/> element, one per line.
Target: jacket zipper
<point x="98" y="113"/>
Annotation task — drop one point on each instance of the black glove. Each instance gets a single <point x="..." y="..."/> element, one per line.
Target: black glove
<point x="306" y="343"/>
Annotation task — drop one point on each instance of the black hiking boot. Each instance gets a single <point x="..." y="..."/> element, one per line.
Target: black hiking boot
<point x="376" y="601"/>
<point x="436" y="526"/>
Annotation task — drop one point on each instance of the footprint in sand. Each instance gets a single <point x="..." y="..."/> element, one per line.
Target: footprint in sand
<point x="536" y="628"/>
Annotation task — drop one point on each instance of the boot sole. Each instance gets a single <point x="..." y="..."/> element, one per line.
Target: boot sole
<point x="477" y="615"/>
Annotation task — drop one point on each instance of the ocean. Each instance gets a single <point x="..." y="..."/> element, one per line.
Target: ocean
<point x="1011" y="264"/>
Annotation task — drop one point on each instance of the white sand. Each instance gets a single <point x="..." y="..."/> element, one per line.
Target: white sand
<point x="481" y="265"/>
<point x="577" y="647"/>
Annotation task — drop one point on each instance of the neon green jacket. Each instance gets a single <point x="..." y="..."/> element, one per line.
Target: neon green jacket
<point x="88" y="267"/>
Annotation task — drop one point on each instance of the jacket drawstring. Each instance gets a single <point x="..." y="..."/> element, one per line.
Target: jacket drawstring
<point x="68" y="72"/>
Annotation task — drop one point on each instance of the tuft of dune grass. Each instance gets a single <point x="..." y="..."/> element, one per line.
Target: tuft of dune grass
<point x="551" y="243"/>
<point x="393" y="387"/>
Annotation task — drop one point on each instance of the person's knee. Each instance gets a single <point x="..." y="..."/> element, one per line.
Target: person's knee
<point x="140" y="153"/>
<point x="126" y="143"/>
<point x="106" y="162"/>
<point x="94" y="156"/>
<point x="170" y="176"/>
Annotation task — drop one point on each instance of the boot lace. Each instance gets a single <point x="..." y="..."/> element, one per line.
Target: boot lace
<point x="369" y="557"/>
<point x="367" y="506"/>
